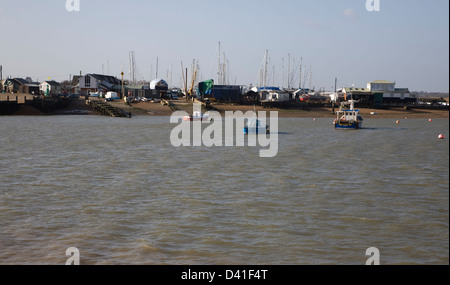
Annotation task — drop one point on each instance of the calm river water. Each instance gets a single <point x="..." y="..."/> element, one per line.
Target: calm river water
<point x="118" y="190"/>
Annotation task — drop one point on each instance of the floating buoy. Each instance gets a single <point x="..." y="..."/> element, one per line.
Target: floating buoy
<point x="315" y="120"/>
<point x="441" y="137"/>
<point x="398" y="122"/>
<point x="430" y="120"/>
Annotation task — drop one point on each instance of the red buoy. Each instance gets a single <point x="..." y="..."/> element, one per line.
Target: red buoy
<point x="441" y="137"/>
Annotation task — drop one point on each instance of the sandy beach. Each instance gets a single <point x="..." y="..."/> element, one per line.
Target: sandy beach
<point x="156" y="109"/>
<point x="78" y="107"/>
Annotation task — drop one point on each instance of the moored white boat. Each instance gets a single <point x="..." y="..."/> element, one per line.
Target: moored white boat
<point x="348" y="118"/>
<point x="197" y="116"/>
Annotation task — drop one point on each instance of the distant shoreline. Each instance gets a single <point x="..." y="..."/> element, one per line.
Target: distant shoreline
<point x="156" y="109"/>
<point x="79" y="107"/>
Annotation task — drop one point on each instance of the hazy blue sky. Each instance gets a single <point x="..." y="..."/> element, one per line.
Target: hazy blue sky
<point x="407" y="41"/>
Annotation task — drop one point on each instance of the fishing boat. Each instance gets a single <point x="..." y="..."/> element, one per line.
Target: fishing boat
<point x="255" y="126"/>
<point x="348" y="118"/>
<point x="197" y="116"/>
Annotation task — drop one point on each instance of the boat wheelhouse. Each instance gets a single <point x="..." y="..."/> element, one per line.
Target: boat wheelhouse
<point x="348" y="118"/>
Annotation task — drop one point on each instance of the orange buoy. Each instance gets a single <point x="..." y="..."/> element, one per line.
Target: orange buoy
<point x="398" y="122"/>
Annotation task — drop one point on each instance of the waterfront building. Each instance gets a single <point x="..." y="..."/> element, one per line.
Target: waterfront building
<point x="380" y="92"/>
<point x="390" y="94"/>
<point x="19" y="85"/>
<point x="97" y="83"/>
<point x="50" y="87"/>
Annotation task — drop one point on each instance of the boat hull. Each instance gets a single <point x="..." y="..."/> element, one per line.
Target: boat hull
<point x="256" y="130"/>
<point x="195" y="119"/>
<point x="191" y="118"/>
<point x="352" y="126"/>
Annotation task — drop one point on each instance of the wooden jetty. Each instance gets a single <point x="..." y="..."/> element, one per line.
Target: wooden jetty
<point x="106" y="109"/>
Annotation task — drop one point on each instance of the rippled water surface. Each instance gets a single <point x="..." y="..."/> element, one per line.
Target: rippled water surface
<point x="118" y="190"/>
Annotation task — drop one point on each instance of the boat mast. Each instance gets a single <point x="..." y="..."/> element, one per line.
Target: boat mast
<point x="289" y="71"/>
<point x="157" y="63"/>
<point x="224" y="74"/>
<point x="219" y="75"/>
<point x="300" y="79"/>
<point x="265" y="68"/>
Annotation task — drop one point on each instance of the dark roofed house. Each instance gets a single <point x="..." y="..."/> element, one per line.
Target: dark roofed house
<point x="28" y="86"/>
<point x="11" y="85"/>
<point x="91" y="83"/>
<point x="20" y="85"/>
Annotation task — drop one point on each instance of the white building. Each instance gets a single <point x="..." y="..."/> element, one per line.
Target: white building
<point x="50" y="87"/>
<point x="387" y="88"/>
<point x="381" y="85"/>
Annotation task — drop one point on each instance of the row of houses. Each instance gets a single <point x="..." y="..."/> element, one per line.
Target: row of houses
<point x="85" y="85"/>
<point x="101" y="84"/>
<point x="27" y="86"/>
<point x="376" y="93"/>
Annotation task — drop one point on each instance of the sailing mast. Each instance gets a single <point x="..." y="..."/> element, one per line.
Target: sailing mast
<point x="289" y="71"/>
<point x="157" y="63"/>
<point x="265" y="68"/>
<point x="310" y="78"/>
<point x="219" y="72"/>
<point x="300" y="79"/>
<point x="132" y="67"/>
<point x="224" y="74"/>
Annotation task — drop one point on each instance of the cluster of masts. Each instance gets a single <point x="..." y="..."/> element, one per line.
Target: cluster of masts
<point x="223" y="73"/>
<point x="268" y="76"/>
<point x="293" y="73"/>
